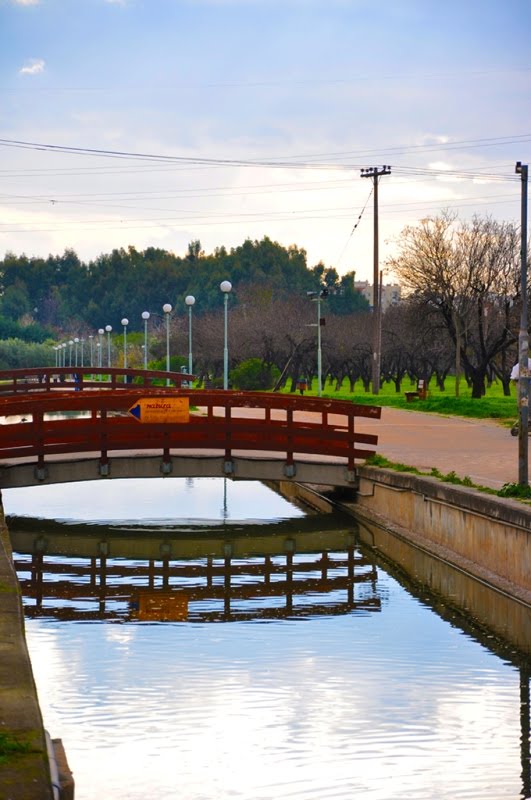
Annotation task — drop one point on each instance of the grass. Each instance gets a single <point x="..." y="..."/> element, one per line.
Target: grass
<point x="493" y="405"/>
<point x="514" y="490"/>
<point x="10" y="747"/>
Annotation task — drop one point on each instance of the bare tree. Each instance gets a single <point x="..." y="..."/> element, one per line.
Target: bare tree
<point x="468" y="274"/>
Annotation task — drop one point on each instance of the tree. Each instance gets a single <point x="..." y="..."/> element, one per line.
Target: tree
<point x="467" y="274"/>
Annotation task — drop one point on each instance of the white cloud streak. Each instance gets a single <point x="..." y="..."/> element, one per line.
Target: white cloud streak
<point x="33" y="67"/>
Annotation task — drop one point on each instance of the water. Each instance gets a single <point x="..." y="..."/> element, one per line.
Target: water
<point x="329" y="681"/>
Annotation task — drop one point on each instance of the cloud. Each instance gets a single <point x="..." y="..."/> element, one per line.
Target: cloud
<point x="34" y="66"/>
<point x="26" y="2"/>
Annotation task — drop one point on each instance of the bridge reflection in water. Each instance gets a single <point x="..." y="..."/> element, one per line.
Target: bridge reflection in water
<point x="224" y="573"/>
<point x="199" y="577"/>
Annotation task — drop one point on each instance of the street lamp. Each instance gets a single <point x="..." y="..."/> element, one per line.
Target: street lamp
<point x="70" y="346"/>
<point x="167" y="310"/>
<point x="125" y="323"/>
<point x="318" y="296"/>
<point x="145" y="317"/>
<point x="63" y="347"/>
<point x="226" y="287"/>
<point x="189" y="300"/>
<point x="91" y="342"/>
<point x="76" y="342"/>
<point x="100" y="345"/>
<point x="108" y="328"/>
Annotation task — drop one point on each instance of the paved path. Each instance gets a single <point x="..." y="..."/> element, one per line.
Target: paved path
<point x="483" y="450"/>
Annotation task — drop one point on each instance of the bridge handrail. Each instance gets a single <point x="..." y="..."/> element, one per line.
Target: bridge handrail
<point x="211" y="425"/>
<point x="210" y="398"/>
<point x="38" y="379"/>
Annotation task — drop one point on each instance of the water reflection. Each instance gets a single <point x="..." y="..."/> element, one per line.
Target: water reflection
<point x="361" y="684"/>
<point x="199" y="577"/>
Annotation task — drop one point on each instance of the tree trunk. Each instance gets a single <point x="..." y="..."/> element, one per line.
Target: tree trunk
<point x="478" y="384"/>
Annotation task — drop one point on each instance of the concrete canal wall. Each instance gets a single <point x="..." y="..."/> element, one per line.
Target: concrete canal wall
<point x="24" y="775"/>
<point x="488" y="536"/>
<point x="472" y="548"/>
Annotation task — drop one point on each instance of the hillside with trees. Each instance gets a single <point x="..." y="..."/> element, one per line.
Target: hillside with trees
<point x="63" y="293"/>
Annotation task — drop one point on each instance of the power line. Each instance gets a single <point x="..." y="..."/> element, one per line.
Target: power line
<point x="368" y="77"/>
<point x="270" y="216"/>
<point x="282" y="162"/>
<point x="355" y="226"/>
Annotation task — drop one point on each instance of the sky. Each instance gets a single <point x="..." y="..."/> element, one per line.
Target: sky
<point x="160" y="122"/>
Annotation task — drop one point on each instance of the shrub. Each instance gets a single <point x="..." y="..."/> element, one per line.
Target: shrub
<point x="253" y="375"/>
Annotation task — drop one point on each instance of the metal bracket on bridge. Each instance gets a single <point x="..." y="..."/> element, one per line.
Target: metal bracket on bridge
<point x="166" y="467"/>
<point x="40" y="473"/>
<point x="228" y="467"/>
<point x="351" y="476"/>
<point x="290" y="470"/>
<point x="104" y="470"/>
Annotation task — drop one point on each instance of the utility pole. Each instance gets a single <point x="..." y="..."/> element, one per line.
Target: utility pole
<point x="375" y="173"/>
<point x="523" y="341"/>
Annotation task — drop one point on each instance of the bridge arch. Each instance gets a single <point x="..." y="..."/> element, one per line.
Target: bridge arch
<point x="126" y="426"/>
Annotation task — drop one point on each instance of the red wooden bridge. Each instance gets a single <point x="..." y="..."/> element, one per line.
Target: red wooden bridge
<point x="51" y="418"/>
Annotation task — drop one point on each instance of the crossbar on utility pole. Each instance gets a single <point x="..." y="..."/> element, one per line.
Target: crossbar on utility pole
<point x="375" y="173"/>
<point x="523" y="341"/>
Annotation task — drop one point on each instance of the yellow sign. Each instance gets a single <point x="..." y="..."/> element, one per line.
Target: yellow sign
<point x="161" y="409"/>
<point x="161" y="606"/>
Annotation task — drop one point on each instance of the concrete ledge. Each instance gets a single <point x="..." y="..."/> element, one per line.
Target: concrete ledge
<point x="24" y="776"/>
<point x="498" y="508"/>
<point x="489" y="536"/>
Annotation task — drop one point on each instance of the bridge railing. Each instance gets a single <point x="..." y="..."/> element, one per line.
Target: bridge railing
<point x="46" y="379"/>
<point x="37" y="427"/>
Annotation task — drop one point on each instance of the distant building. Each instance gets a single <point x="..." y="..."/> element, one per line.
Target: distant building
<point x="391" y="293"/>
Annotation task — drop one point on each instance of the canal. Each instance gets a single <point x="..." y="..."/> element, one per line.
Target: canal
<point x="201" y="639"/>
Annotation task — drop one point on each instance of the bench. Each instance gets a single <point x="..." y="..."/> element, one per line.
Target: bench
<point x="420" y="394"/>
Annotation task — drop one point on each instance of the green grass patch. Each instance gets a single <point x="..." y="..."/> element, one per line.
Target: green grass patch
<point x="493" y="405"/>
<point x="513" y="490"/>
<point x="10" y="747"/>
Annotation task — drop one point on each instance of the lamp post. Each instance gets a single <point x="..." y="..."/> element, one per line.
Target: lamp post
<point x="167" y="311"/>
<point x="145" y="317"/>
<point x="226" y="287"/>
<point x="76" y="342"/>
<point x="100" y="345"/>
<point x="108" y="328"/>
<point x="91" y="343"/>
<point x="317" y="297"/>
<point x="125" y="323"/>
<point x="189" y="300"/>
<point x="82" y="351"/>
<point x="63" y="347"/>
<point x="70" y="346"/>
